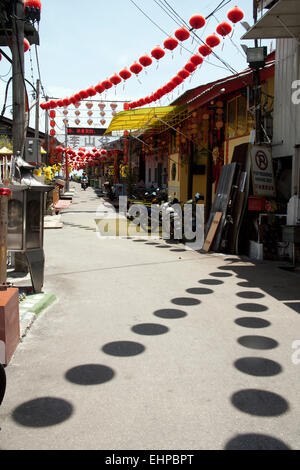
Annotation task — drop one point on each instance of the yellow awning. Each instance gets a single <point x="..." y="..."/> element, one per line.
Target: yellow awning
<point x="146" y="119"/>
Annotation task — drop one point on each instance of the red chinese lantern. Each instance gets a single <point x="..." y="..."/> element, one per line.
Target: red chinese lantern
<point x="177" y="80"/>
<point x="183" y="73"/>
<point x="115" y="79"/>
<point x="125" y="74"/>
<point x="91" y="91"/>
<point x="213" y="40"/>
<point x="205" y="50"/>
<point x="145" y="60"/>
<point x="136" y="68"/>
<point x="99" y="88"/>
<point x="33" y="4"/>
<point x="26" y="45"/>
<point x="196" y="59"/>
<point x="182" y="34"/>
<point x="106" y="84"/>
<point x="66" y="102"/>
<point x="235" y="15"/>
<point x="197" y="21"/>
<point x="224" y="28"/>
<point x="52" y="132"/>
<point x="83" y="94"/>
<point x="157" y="53"/>
<point x="190" y="67"/>
<point x="170" y="43"/>
<point x="52" y="114"/>
<point x="52" y="123"/>
<point x="126" y="106"/>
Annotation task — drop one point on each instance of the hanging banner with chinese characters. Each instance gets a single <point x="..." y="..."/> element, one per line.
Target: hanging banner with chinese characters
<point x="262" y="171"/>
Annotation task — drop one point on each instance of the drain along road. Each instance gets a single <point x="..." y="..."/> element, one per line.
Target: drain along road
<point x="151" y="346"/>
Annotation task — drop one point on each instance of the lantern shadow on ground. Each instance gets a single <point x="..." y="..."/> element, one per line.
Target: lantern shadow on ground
<point x="259" y="402"/>
<point x="211" y="282"/>
<point x="162" y="246"/>
<point x="252" y="307"/>
<point x="258" y="366"/>
<point x="257" y="342"/>
<point x="249" y="284"/>
<point x="199" y="291"/>
<point x="43" y="412"/>
<point x="150" y="329"/>
<point x="90" y="374"/>
<point x="250" y="295"/>
<point x="178" y="250"/>
<point x="170" y="313"/>
<point x="220" y="274"/>
<point x="123" y="348"/>
<point x="252" y="322"/>
<point x="187" y="301"/>
<point x="255" y="442"/>
<point x="270" y="279"/>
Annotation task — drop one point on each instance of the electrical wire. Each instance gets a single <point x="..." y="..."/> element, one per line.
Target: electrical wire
<point x="220" y="5"/>
<point x="5" y="98"/>
<point x="228" y="66"/>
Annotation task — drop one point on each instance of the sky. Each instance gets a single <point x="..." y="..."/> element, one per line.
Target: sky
<point x="84" y="42"/>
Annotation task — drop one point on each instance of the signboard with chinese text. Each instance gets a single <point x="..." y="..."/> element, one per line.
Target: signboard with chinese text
<point x="85" y="131"/>
<point x="262" y="171"/>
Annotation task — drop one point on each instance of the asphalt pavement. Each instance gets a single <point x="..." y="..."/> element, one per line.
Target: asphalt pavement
<point x="150" y="345"/>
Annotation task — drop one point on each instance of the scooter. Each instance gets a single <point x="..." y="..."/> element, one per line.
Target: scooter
<point x="109" y="191"/>
<point x="2" y="382"/>
<point x="84" y="186"/>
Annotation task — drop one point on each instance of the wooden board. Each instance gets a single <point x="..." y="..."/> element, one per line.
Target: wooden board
<point x="212" y="231"/>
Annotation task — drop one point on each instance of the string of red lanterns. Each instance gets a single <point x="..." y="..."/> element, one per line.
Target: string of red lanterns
<point x="181" y="34"/>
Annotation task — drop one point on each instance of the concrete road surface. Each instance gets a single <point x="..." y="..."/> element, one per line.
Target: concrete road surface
<point x="152" y="346"/>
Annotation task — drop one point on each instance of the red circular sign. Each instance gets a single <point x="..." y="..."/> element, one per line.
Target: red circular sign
<point x="261" y="160"/>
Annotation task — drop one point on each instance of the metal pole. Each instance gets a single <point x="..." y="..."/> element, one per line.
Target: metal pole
<point x="66" y="159"/>
<point x="47" y="133"/>
<point x="129" y="167"/>
<point x="18" y="76"/>
<point x="37" y="110"/>
<point x="257" y="88"/>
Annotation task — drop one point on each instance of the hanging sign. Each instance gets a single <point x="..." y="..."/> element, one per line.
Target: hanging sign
<point x="262" y="171"/>
<point x="85" y="131"/>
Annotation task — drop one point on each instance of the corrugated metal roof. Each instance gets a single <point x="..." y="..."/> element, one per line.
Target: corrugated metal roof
<point x="281" y="21"/>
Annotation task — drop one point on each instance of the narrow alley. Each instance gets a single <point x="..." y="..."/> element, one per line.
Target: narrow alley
<point x="153" y="346"/>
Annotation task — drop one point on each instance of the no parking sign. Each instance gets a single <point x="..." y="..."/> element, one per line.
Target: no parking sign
<point x="262" y="171"/>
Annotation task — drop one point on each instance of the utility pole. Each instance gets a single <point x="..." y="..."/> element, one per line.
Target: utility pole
<point x="257" y="87"/>
<point x="66" y="159"/>
<point x="47" y="133"/>
<point x="18" y="76"/>
<point x="37" y="110"/>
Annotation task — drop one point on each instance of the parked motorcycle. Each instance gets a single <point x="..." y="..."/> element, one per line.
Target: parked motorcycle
<point x="175" y="213"/>
<point x="110" y="191"/>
